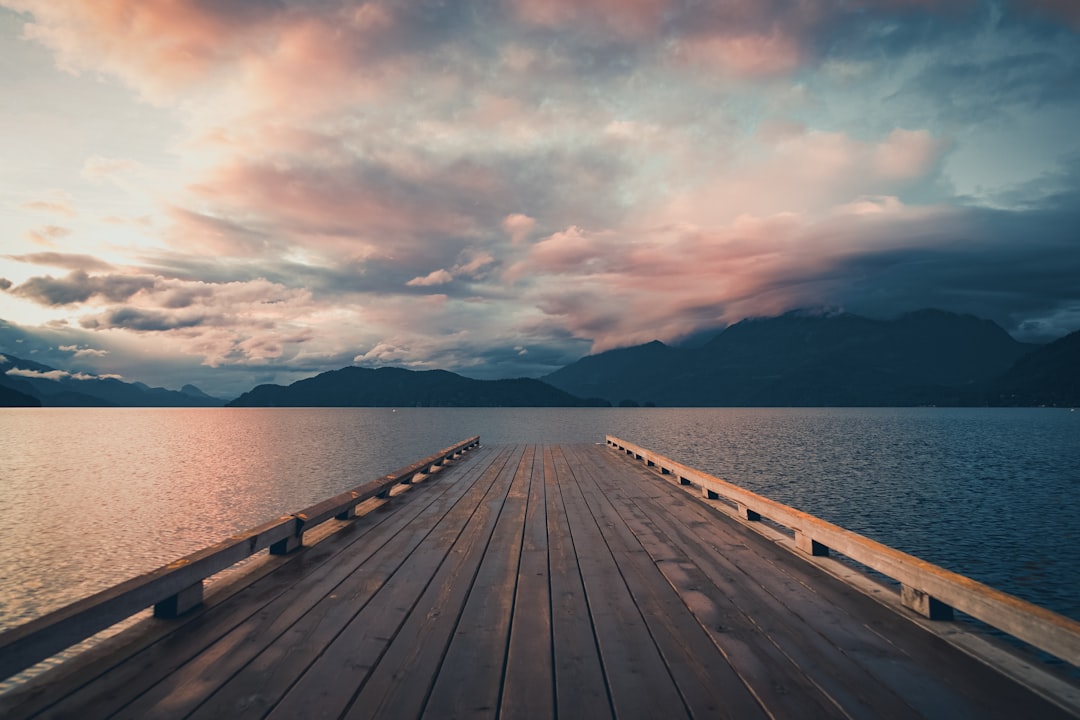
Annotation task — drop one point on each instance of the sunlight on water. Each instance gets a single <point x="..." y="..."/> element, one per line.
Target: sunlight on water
<point x="91" y="497"/>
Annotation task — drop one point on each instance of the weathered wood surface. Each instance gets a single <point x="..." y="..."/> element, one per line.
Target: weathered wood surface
<point x="926" y="588"/>
<point x="534" y="581"/>
<point x="178" y="587"/>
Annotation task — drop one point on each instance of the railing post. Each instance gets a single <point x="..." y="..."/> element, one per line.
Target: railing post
<point x="924" y="604"/>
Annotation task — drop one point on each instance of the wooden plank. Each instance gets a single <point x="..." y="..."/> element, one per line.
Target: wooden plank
<point x="189" y="685"/>
<point x="470" y="678"/>
<point x="825" y="626"/>
<point x="723" y="601"/>
<point x="638" y="680"/>
<point x="555" y="581"/>
<point x="710" y="687"/>
<point x="112" y="681"/>
<point x="580" y="686"/>
<point x="1046" y="630"/>
<point x="173" y="589"/>
<point x="529" y="686"/>
<point x="314" y="669"/>
<point x="399" y="685"/>
<point x="814" y="634"/>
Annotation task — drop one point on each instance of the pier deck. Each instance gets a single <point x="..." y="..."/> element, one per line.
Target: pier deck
<point x="534" y="581"/>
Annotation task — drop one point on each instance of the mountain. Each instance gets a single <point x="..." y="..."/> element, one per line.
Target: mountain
<point x="396" y="387"/>
<point x="809" y="359"/>
<point x="618" y="375"/>
<point x="51" y="387"/>
<point x="10" y="397"/>
<point x="1047" y="376"/>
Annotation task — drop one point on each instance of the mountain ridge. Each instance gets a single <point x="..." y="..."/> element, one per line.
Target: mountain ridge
<point x="52" y="387"/>
<point x="807" y="358"/>
<point x="800" y="358"/>
<point x="397" y="387"/>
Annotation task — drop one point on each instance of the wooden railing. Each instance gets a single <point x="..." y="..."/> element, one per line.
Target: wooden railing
<point x="178" y="586"/>
<point x="925" y="588"/>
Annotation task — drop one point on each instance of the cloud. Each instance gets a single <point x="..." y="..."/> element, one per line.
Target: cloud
<point x="79" y="287"/>
<point x="617" y="290"/>
<point x="1066" y="10"/>
<point x="473" y="263"/>
<point x="745" y="56"/>
<point x="58" y="375"/>
<point x="425" y="183"/>
<point x="47" y="235"/>
<point x="518" y="226"/>
<point x="216" y="235"/>
<point x="58" y="203"/>
<point x="78" y="352"/>
<point x="39" y="374"/>
<point x="810" y="172"/>
<point x="68" y="261"/>
<point x="141" y="320"/>
<point x="624" y="18"/>
<point x="102" y="168"/>
<point x="435" y="277"/>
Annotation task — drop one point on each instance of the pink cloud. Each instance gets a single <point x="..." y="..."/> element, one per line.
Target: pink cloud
<point x="473" y="262"/>
<point x="575" y="250"/>
<point x="244" y="57"/>
<point x="519" y="227"/>
<point x="435" y="277"/>
<point x="57" y="202"/>
<point x="623" y="287"/>
<point x="751" y="55"/>
<point x="626" y="18"/>
<point x="154" y="43"/>
<point x="806" y="172"/>
<point x="907" y="154"/>
<point x="214" y="234"/>
<point x="103" y="168"/>
<point x="47" y="235"/>
<point x="342" y="212"/>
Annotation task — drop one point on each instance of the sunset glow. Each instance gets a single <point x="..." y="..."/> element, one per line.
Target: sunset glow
<point x="247" y="191"/>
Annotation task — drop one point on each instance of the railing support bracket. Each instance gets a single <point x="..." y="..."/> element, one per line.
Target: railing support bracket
<point x="924" y="604"/>
<point x="180" y="603"/>
<point x="288" y="545"/>
<point x="747" y="514"/>
<point x="809" y="545"/>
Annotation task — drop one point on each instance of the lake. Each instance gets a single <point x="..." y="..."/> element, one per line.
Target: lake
<point x="92" y="496"/>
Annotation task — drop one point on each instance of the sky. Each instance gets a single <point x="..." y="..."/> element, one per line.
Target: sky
<point x="233" y="192"/>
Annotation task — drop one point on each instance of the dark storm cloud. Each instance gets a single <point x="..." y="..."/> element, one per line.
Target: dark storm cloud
<point x="141" y="320"/>
<point x="1055" y="191"/>
<point x="1018" y="268"/>
<point x="79" y="287"/>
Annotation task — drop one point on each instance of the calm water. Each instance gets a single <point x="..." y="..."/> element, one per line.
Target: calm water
<point x="90" y="497"/>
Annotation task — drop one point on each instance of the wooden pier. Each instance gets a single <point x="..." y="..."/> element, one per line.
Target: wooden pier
<point x="569" y="581"/>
